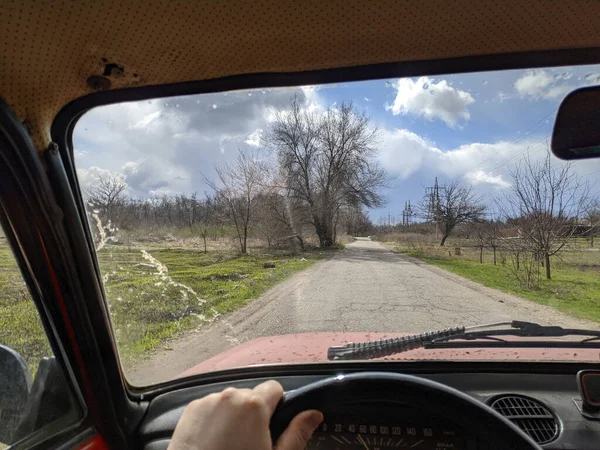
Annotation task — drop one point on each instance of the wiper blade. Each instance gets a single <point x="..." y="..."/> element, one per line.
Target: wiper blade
<point x="387" y="347"/>
<point x="463" y="337"/>
<point x="521" y="329"/>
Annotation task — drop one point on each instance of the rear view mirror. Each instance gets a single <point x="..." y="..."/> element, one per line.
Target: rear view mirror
<point x="576" y="133"/>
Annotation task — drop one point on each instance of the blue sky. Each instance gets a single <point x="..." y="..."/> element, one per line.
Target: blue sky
<point x="468" y="126"/>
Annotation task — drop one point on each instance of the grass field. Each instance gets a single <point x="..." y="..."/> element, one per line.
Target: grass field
<point x="20" y="326"/>
<point x="153" y="293"/>
<point x="574" y="287"/>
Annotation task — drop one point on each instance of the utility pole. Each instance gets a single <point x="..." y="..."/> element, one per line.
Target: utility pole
<point x="434" y="206"/>
<point x="407" y="214"/>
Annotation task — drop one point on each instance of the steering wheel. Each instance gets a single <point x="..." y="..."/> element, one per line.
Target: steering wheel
<point x="490" y="429"/>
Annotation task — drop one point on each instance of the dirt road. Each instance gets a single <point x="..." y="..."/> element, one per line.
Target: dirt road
<point x="365" y="288"/>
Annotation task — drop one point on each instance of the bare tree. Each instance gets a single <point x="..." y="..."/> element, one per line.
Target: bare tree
<point x="239" y="187"/>
<point x="480" y="233"/>
<point x="204" y="232"/>
<point x="466" y="229"/>
<point x="545" y="203"/>
<point x="267" y="222"/>
<point x="109" y="193"/>
<point x="493" y="237"/>
<point x="187" y="208"/>
<point x="522" y="263"/>
<point x="328" y="161"/>
<point x="286" y="213"/>
<point x="452" y="205"/>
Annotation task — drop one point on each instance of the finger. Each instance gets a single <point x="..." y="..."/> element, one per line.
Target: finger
<point x="299" y="431"/>
<point x="270" y="392"/>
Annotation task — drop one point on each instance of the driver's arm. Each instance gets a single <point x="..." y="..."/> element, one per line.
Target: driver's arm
<point x="239" y="419"/>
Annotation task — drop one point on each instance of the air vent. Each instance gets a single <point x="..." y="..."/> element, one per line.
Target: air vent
<point x="529" y="415"/>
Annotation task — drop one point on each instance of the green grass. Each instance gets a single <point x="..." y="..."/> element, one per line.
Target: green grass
<point x="148" y="307"/>
<point x="149" y="304"/>
<point x="20" y="326"/>
<point x="573" y="289"/>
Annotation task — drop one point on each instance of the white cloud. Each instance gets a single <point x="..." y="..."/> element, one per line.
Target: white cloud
<point x="431" y="100"/>
<point x="540" y="84"/>
<point x="143" y="178"/>
<point x="502" y="96"/>
<point x="150" y="176"/>
<point x="533" y="84"/>
<point x="476" y="177"/>
<point x="160" y="192"/>
<point x="559" y="91"/>
<point x="404" y="153"/>
<point x="146" y="120"/>
<point x="166" y="145"/>
<point x="254" y="138"/>
<point x="131" y="167"/>
<point x="89" y="178"/>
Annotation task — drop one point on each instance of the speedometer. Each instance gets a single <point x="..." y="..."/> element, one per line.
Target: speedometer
<point x="343" y="432"/>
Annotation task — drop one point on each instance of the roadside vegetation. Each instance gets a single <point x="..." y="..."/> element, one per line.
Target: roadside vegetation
<point x="154" y="293"/>
<point x="574" y="287"/>
<point x="173" y="263"/>
<point x="157" y="293"/>
<point x="20" y="326"/>
<point x="534" y="239"/>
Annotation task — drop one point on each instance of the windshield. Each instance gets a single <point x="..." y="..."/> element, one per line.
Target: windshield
<point x="265" y="226"/>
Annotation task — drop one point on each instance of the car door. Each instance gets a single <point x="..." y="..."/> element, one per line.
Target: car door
<point x="77" y="397"/>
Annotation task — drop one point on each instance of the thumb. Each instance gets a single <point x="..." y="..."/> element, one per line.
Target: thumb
<point x="299" y="431"/>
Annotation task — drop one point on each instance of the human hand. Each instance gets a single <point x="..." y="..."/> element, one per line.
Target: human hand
<point x="237" y="419"/>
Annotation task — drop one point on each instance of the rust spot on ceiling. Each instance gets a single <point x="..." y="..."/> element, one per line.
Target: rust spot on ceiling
<point x="98" y="83"/>
<point x="113" y="69"/>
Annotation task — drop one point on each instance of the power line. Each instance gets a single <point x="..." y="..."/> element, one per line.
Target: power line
<point x="511" y="158"/>
<point x="510" y="144"/>
<point x="514" y="141"/>
<point x="591" y="173"/>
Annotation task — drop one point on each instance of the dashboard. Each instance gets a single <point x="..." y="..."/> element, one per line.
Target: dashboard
<point x="555" y="421"/>
<point x="379" y="427"/>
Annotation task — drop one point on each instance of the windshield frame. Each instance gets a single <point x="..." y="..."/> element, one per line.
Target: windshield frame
<point x="66" y="120"/>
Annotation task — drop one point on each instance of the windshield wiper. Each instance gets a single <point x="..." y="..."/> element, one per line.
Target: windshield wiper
<point x="464" y="337"/>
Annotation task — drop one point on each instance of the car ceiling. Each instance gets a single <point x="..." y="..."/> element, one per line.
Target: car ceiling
<point x="49" y="49"/>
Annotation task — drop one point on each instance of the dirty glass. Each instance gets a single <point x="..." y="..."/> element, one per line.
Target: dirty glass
<point x="263" y="226"/>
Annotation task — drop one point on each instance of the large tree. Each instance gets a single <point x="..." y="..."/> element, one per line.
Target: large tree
<point x="282" y="217"/>
<point x="545" y="202"/>
<point x="451" y="205"/>
<point x="328" y="161"/>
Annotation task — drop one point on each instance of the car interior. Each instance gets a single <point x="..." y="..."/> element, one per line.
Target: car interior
<point x="60" y="59"/>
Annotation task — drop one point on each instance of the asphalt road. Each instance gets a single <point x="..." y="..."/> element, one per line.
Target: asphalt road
<point x="365" y="288"/>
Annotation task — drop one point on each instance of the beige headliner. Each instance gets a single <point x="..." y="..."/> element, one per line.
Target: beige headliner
<point x="48" y="49"/>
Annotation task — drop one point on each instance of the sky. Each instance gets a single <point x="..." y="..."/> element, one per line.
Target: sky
<point x="473" y="127"/>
